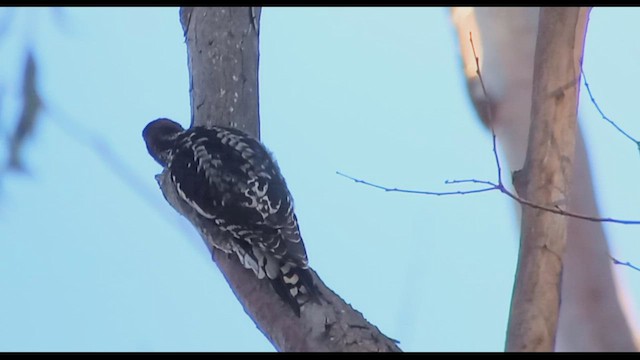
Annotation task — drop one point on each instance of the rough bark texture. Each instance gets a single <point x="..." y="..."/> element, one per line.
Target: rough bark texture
<point x="222" y="45"/>
<point x="591" y="315"/>
<point x="547" y="171"/>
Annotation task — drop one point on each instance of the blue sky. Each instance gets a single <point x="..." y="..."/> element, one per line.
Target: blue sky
<point x="91" y="261"/>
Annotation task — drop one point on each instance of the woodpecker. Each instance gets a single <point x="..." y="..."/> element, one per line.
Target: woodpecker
<point x="233" y="182"/>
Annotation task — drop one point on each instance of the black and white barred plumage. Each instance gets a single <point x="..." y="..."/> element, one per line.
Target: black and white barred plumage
<point x="231" y="179"/>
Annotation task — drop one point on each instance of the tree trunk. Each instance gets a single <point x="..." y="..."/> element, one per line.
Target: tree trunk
<point x="546" y="176"/>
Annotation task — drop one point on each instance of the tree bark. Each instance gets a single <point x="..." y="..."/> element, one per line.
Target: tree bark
<point x="546" y="174"/>
<point x="222" y="45"/>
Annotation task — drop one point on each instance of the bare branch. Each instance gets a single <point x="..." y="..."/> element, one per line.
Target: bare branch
<point x="605" y="117"/>
<point x="489" y="109"/>
<point x="420" y="192"/>
<point x="491" y="187"/>
<point x="484" y="89"/>
<point x="626" y="263"/>
<point x="331" y="326"/>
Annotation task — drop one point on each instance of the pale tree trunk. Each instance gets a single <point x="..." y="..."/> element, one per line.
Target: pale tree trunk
<point x="591" y="317"/>
<point x="222" y="46"/>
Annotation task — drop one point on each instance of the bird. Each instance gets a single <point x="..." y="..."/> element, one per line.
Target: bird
<point x="233" y="183"/>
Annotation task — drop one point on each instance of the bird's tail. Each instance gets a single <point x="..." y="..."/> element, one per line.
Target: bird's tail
<point x="295" y="286"/>
<point x="292" y="282"/>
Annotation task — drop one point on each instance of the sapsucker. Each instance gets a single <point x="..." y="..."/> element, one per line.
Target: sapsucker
<point x="232" y="181"/>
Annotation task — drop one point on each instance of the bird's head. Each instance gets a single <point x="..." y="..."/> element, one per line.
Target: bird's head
<point x="160" y="136"/>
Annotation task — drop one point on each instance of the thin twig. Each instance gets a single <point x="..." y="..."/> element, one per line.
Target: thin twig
<point x="559" y="211"/>
<point x="605" y="117"/>
<point x="484" y="89"/>
<point x="492" y="186"/>
<point x="474" y="181"/>
<point x="626" y="263"/>
<point x="489" y="111"/>
<point x="420" y="192"/>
